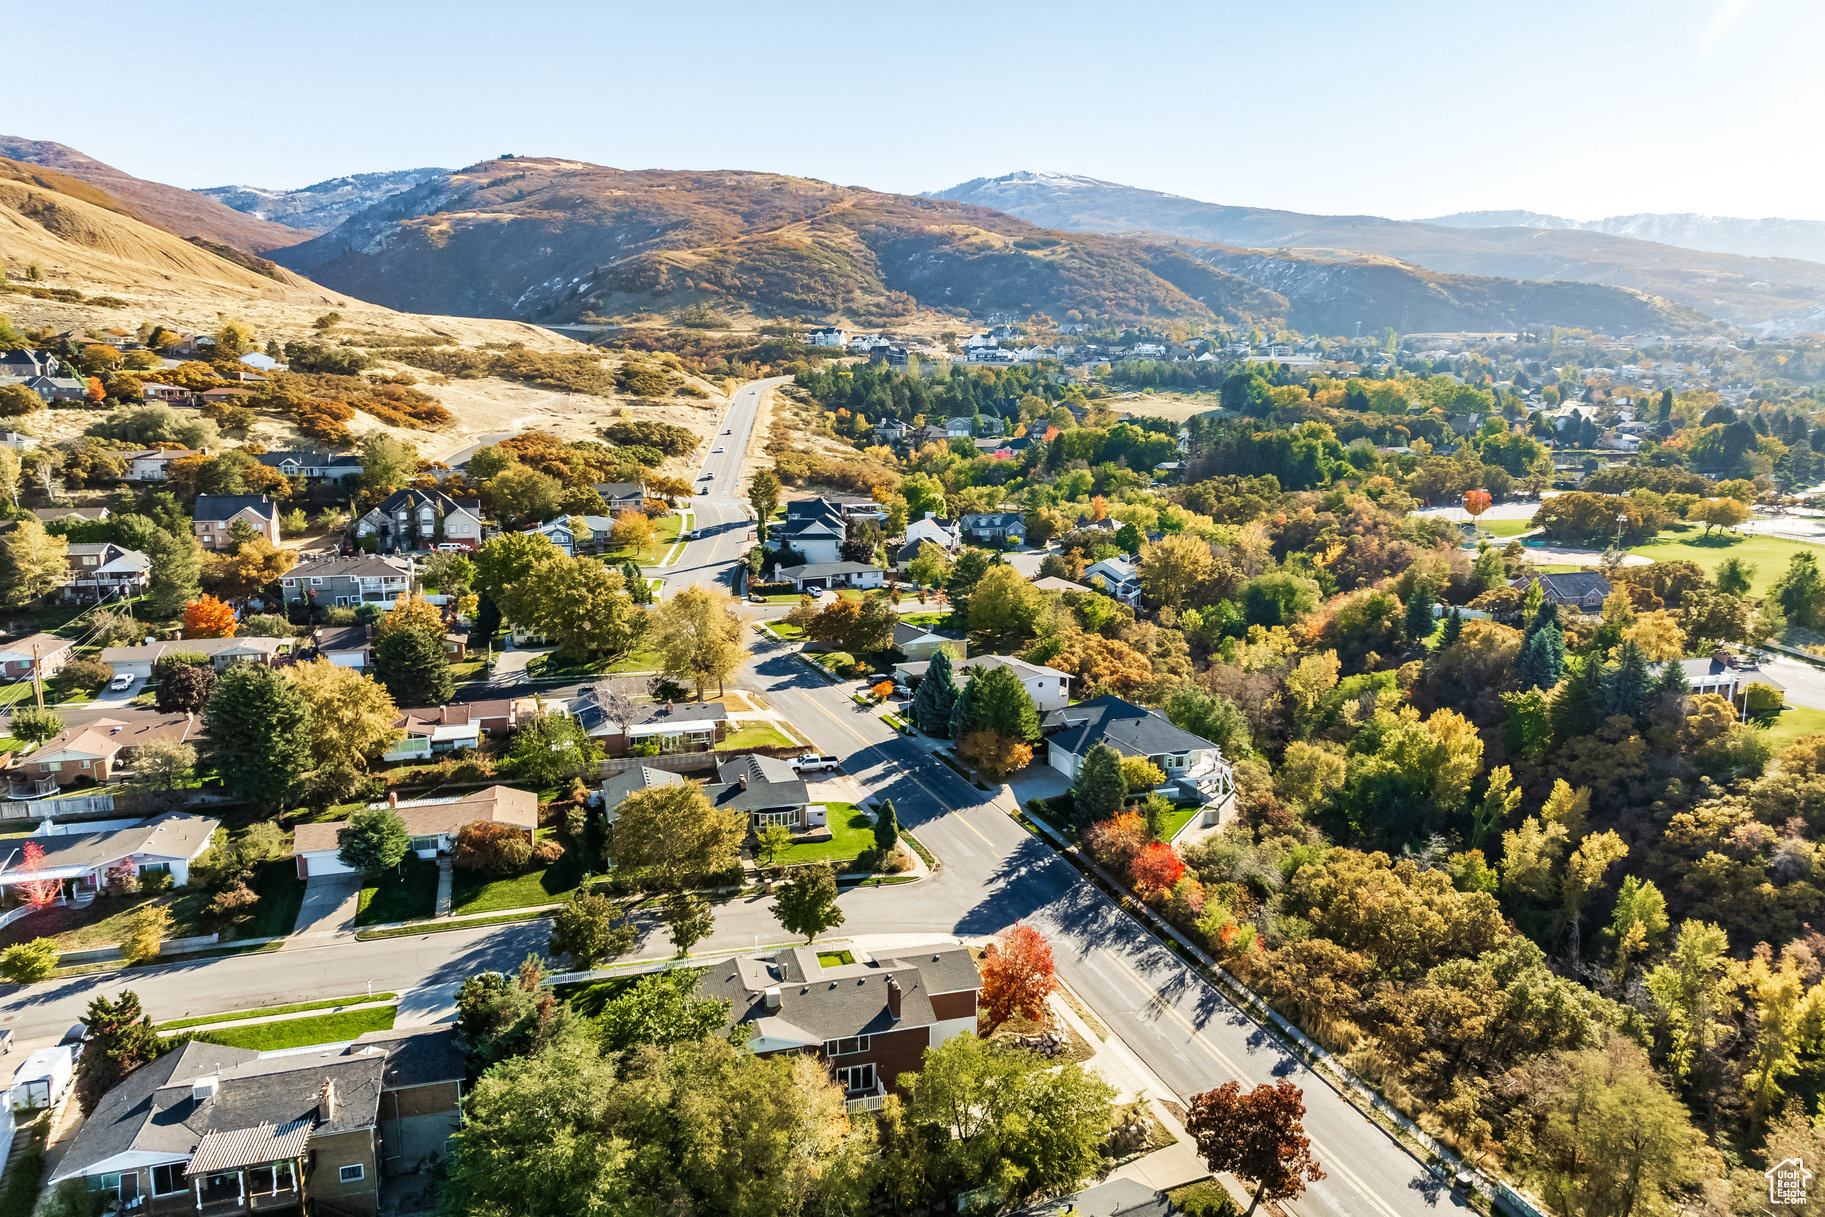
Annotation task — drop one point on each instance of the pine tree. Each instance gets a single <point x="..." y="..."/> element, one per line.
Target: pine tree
<point x="1454" y="628"/>
<point x="1672" y="681"/>
<point x="1542" y="659"/>
<point x="962" y="712"/>
<point x="998" y="702"/>
<point x="937" y="695"/>
<point x="886" y="828"/>
<point x="413" y="667"/>
<point x="258" y="728"/>
<point x="1419" y="613"/>
<point x="1100" y="790"/>
<point x="1577" y="704"/>
<point x="177" y="571"/>
<point x="1628" y="687"/>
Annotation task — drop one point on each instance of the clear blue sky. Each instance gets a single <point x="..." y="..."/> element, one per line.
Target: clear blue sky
<point x="1411" y="108"/>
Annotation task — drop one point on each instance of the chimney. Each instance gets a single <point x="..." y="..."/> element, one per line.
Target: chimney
<point x="203" y="1089"/>
<point x="893" y="999"/>
<point x="326" y="1103"/>
<point x="931" y="515"/>
<point x="392" y="798"/>
<point x="668" y="707"/>
<point x="771" y="998"/>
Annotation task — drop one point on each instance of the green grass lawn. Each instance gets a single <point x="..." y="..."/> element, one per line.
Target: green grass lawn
<point x="411" y="892"/>
<point x="589" y="999"/>
<point x="786" y="630"/>
<point x="104" y="922"/>
<point x="1794" y="722"/>
<point x="1205" y="1198"/>
<point x="281" y="892"/>
<point x="1769" y="555"/>
<point x="852" y="834"/>
<point x="473" y="892"/>
<point x="755" y="735"/>
<point x="927" y="621"/>
<point x="235" y="1016"/>
<point x="665" y="531"/>
<point x="1177" y="820"/>
<point x="639" y="659"/>
<point x="1506" y="528"/>
<point x="303" y="1032"/>
<point x="468" y="669"/>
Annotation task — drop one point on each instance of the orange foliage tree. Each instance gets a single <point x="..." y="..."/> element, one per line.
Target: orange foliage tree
<point x="1017" y="977"/>
<point x="1155" y="869"/>
<point x="208" y="617"/>
<point x="884" y="690"/>
<point x="1117" y="842"/>
<point x="1476" y="502"/>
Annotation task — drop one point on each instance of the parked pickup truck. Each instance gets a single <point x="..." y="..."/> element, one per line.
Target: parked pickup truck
<point x="815" y="764"/>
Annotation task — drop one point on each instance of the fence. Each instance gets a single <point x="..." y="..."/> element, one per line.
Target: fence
<point x="41" y="809"/>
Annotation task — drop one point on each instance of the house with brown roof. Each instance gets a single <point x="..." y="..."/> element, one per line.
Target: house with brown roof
<point x="870" y="1021"/>
<point x="47" y="651"/>
<point x="432" y="823"/>
<point x="95" y="753"/>
<point x="434" y="729"/>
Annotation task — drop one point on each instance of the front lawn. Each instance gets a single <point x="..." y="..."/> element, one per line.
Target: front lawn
<point x="852" y="835"/>
<point x="281" y="892"/>
<point x="786" y="630"/>
<point x="756" y="735"/>
<point x="548" y="666"/>
<point x="474" y="892"/>
<point x="1769" y="555"/>
<point x="665" y="532"/>
<point x="303" y="1032"/>
<point x="239" y="1016"/>
<point x="1177" y="820"/>
<point x="407" y="894"/>
<point x="1506" y="528"/>
<point x="1795" y="722"/>
<point x="104" y="922"/>
<point x="468" y="669"/>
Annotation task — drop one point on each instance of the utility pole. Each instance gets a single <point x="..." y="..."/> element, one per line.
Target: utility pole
<point x="37" y="677"/>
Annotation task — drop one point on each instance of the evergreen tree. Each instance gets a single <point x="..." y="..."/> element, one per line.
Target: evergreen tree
<point x="120" y="1039"/>
<point x="1542" y="659"/>
<point x="259" y="733"/>
<point x="1100" y="789"/>
<point x="413" y="667"/>
<point x="937" y="695"/>
<point x="1577" y="704"/>
<point x="1628" y="687"/>
<point x="998" y="702"/>
<point x="886" y="829"/>
<point x="1454" y="628"/>
<point x="177" y="571"/>
<point x="1672" y="681"/>
<point x="487" y="620"/>
<point x="962" y="711"/>
<point x="1419" y="612"/>
<point x="637" y="587"/>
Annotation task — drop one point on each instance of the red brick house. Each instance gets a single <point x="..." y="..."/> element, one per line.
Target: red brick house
<point x="870" y="1021"/>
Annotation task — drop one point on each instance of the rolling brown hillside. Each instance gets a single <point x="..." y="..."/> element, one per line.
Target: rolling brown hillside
<point x="554" y="240"/>
<point x="172" y="208"/>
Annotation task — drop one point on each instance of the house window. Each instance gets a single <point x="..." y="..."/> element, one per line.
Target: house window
<point x="168" y="1180"/>
<point x="419" y="843"/>
<point x="855" y="1079"/>
<point x="155" y="868"/>
<point x="353" y="1173"/>
<point x="763" y="818"/>
<point x="126" y="1186"/>
<point x="848" y="1046"/>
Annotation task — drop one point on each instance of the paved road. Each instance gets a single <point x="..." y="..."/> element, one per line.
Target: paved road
<point x="723" y="518"/>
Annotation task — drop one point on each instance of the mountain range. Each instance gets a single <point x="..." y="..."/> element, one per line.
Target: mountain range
<point x="1765" y="294"/>
<point x="1752" y="238"/>
<point x="557" y="240"/>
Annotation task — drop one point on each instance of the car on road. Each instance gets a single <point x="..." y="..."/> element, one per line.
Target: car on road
<point x="703" y="490"/>
<point x="813" y="763"/>
<point x="715" y="450"/>
<point x="728" y="431"/>
<point x="121" y="683"/>
<point x="878" y="677"/>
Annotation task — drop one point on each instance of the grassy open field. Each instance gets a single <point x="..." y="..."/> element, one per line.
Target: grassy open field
<point x="1769" y="555"/>
<point x="1506" y="528"/>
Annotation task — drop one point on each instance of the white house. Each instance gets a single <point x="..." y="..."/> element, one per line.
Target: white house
<point x="814" y="575"/>
<point x="813" y="529"/>
<point x="959" y="428"/>
<point x="1194" y="767"/>
<point x="80" y="861"/>
<point x="829" y="336"/>
<point x="1117" y="578"/>
<point x="936" y="529"/>
<point x="1049" y="688"/>
<point x="151" y="465"/>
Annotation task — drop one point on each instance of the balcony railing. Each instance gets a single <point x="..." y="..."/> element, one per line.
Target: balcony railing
<point x="866" y="1100"/>
<point x="413" y="747"/>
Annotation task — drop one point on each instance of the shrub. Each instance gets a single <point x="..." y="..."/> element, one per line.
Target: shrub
<point x="547" y="852"/>
<point x="87" y="675"/>
<point x="471" y="769"/>
<point x="233" y="903"/>
<point x="1762" y="701"/>
<point x="493" y="849"/>
<point x="29" y="962"/>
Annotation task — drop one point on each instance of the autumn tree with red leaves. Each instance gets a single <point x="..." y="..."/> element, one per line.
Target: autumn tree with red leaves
<point x="207" y="617"/>
<point x="1258" y="1137"/>
<point x="1154" y="871"/>
<point x="1017" y="977"/>
<point x="37" y="892"/>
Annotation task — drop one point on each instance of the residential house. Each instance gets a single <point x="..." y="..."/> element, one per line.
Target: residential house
<point x="827" y="336"/>
<point x="1194" y="767"/>
<point x="215" y="514"/>
<point x="70" y="515"/>
<point x="577" y="534"/>
<point x="870" y="1021"/>
<point x="82" y="861"/>
<point x="829" y="575"/>
<point x="57" y="388"/>
<point x="22" y="363"/>
<point x="348" y="581"/>
<point x="622" y="496"/>
<point x="495" y="717"/>
<point x="1585" y="590"/>
<point x="1052" y="583"/>
<point x="692" y="726"/>
<point x="152" y="464"/>
<point x="959" y="428"/>
<point x="1049" y="688"/>
<point x="102" y="571"/>
<point x="313" y="466"/>
<point x="1729" y="676"/>
<point x="47" y="652"/>
<point x="413" y="519"/>
<point x="93" y="754"/>
<point x="431" y="823"/>
<point x="994" y="528"/>
<point x="936" y="529"/>
<point x="890" y="430"/>
<point x="919" y="644"/>
<point x="346" y="646"/>
<point x="767" y="790"/>
<point x="930" y="433"/>
<point x="138" y="661"/>
<point x="1117" y="578"/>
<point x="813" y="529"/>
<point x="617" y="786"/>
<point x="219" y="1131"/>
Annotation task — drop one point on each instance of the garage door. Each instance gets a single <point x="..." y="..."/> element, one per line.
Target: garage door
<point x="325" y="862"/>
<point x="141" y="669"/>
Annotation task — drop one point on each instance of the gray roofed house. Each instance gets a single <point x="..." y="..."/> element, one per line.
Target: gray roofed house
<point x="813" y="529"/>
<point x="1195" y="768"/>
<point x="169" y="842"/>
<point x="221" y="651"/>
<point x="674" y="727"/>
<point x="102" y="570"/>
<point x="994" y="526"/>
<point x="1585" y="590"/>
<point x="769" y="790"/>
<point x="870" y="1021"/>
<point x="829" y="575"/>
<point x="1728" y="676"/>
<point x="622" y="496"/>
<point x="918" y="643"/>
<point x="347" y="581"/>
<point x="1049" y="688"/>
<point x="48" y="514"/>
<point x="312" y="466"/>
<point x="215" y="515"/>
<point x="618" y="786"/>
